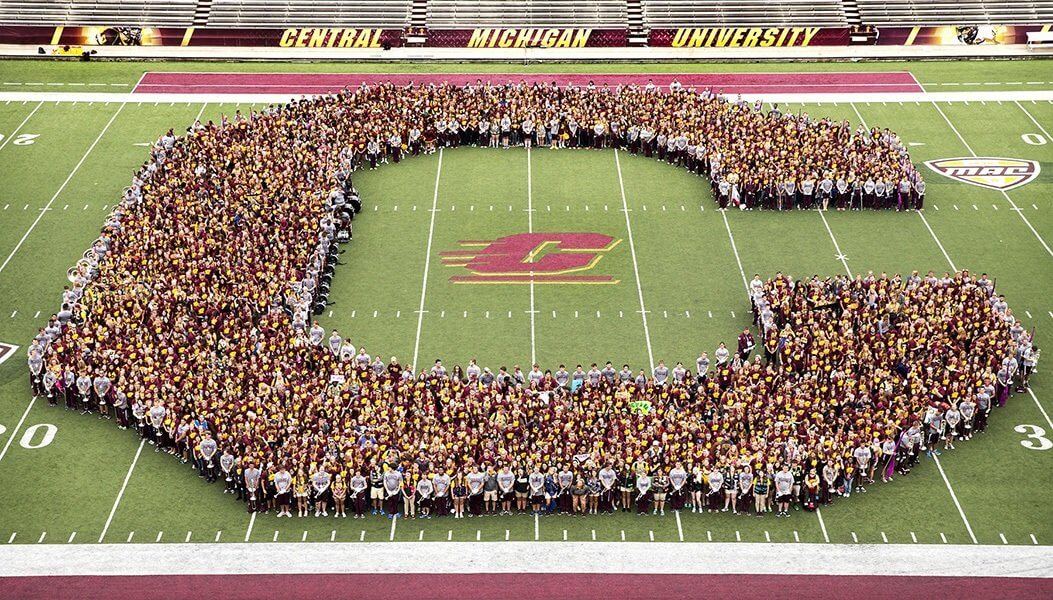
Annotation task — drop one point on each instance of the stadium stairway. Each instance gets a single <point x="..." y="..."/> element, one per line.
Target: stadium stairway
<point x="419" y="14"/>
<point x="638" y="33"/>
<point x="852" y="13"/>
<point x="201" y="12"/>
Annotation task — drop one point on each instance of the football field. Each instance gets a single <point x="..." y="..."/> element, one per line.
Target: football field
<point x="662" y="277"/>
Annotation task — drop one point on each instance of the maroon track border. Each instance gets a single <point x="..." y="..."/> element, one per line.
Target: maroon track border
<point x="520" y="585"/>
<point x="729" y="83"/>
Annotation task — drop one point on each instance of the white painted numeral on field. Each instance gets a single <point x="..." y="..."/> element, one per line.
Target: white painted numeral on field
<point x="3" y="430"/>
<point x="23" y="139"/>
<point x="1033" y="432"/>
<point x="1033" y="139"/>
<point x="49" y="435"/>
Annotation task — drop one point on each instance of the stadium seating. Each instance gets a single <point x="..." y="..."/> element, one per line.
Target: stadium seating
<point x="901" y="13"/>
<point x="671" y="14"/>
<point x="384" y="14"/>
<point x="153" y="13"/>
<point x="460" y="14"/>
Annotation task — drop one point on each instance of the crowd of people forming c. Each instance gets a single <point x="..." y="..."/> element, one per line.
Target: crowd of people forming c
<point x="188" y="321"/>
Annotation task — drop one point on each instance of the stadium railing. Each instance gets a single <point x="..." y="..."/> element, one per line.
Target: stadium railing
<point x="905" y="13"/>
<point x="669" y="14"/>
<point x="452" y="14"/>
<point x="152" y="13"/>
<point x="384" y="14"/>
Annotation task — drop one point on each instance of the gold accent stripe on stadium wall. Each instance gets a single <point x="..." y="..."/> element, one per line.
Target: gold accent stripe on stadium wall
<point x="1045" y="28"/>
<point x="56" y="36"/>
<point x="913" y="34"/>
<point x="186" y="36"/>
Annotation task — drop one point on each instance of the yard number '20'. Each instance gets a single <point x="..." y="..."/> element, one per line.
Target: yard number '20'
<point x="23" y="139"/>
<point x="1036" y="433"/>
<point x="30" y="440"/>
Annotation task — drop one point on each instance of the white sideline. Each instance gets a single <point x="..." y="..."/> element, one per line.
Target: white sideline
<point x="1016" y="209"/>
<point x="513" y="557"/>
<point x="636" y="266"/>
<point x="61" y="187"/>
<point x="972" y="96"/>
<point x="427" y="264"/>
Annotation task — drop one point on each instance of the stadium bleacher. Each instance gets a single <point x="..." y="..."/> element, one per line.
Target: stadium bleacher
<point x="383" y="14"/>
<point x="153" y="13"/>
<point x="671" y="14"/>
<point x="902" y="13"/>
<point x="455" y="14"/>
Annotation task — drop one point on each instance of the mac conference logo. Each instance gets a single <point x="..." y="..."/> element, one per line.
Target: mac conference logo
<point x="532" y="258"/>
<point x="1002" y="174"/>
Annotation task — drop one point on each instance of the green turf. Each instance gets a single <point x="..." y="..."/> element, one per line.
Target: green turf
<point x="687" y="270"/>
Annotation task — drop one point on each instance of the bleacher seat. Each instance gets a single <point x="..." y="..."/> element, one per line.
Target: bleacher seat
<point x="909" y="13"/>
<point x="382" y="14"/>
<point x="462" y="14"/>
<point x="673" y="14"/>
<point x="130" y="13"/>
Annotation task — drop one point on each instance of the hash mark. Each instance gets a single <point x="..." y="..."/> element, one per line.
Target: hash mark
<point x="620" y="315"/>
<point x="650" y="532"/>
<point x="710" y="313"/>
<point x="65" y="207"/>
<point x="767" y="536"/>
<point x="796" y="536"/>
<point x="665" y="314"/>
<point x="738" y="536"/>
<point x="955" y="207"/>
<point x="732" y="314"/>
<point x="398" y="313"/>
<point x="42" y="535"/>
<point x="330" y="314"/>
<point x="509" y="314"/>
<point x="1002" y="536"/>
<point x="575" y="314"/>
<point x="374" y="314"/>
<point x="13" y="314"/>
<point x="74" y="534"/>
<point x="623" y="535"/>
<point x="442" y="314"/>
<point x="362" y="536"/>
<point x="1026" y="312"/>
<point x="884" y="538"/>
<point x="1034" y="206"/>
<point x="38" y="315"/>
<point x="943" y="538"/>
<point x="564" y="535"/>
<point x="449" y="535"/>
<point x="594" y="535"/>
<point x="936" y="207"/>
<point x="687" y="314"/>
<point x="130" y="534"/>
<point x="913" y="537"/>
<point x="217" y="535"/>
<point x="304" y="538"/>
<point x="12" y="538"/>
<point x="159" y="534"/>
<point x="332" y="536"/>
<point x="465" y="314"/>
<point x="188" y="536"/>
<point x="597" y="314"/>
<point x="855" y="540"/>
<point x="420" y="538"/>
<point x="975" y="207"/>
<point x="507" y="534"/>
<point x="478" y="535"/>
<point x="353" y="314"/>
<point x="275" y="538"/>
<point x="995" y="206"/>
<point x="1033" y="540"/>
<point x="487" y="314"/>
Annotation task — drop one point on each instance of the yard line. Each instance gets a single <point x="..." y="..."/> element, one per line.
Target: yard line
<point x="840" y="255"/>
<point x="955" y="498"/>
<point x="530" y="229"/>
<point x="124" y="485"/>
<point x="1037" y="124"/>
<point x="1004" y="194"/>
<point x="1040" y="409"/>
<point x="14" y="431"/>
<point x="427" y="262"/>
<point x="252" y="521"/>
<point x="822" y="525"/>
<point x="636" y="266"/>
<point x="920" y="214"/>
<point x="20" y="125"/>
<point x="679" y="527"/>
<point x="61" y="187"/>
<point x="734" y="249"/>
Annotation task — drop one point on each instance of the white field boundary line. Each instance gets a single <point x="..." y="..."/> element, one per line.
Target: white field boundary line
<point x="61" y="188"/>
<point x="12" y="135"/>
<point x="14" y="431"/>
<point x="248" y="98"/>
<point x="427" y="265"/>
<point x="120" y="494"/>
<point x="636" y="266"/>
<point x="920" y="213"/>
<point x="954" y="497"/>
<point x="1016" y="209"/>
<point x="1021" y="561"/>
<point x="530" y="229"/>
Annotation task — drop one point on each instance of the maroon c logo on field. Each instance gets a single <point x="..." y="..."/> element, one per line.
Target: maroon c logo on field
<point x="552" y="257"/>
